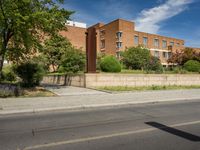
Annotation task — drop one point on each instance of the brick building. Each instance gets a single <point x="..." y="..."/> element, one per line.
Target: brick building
<point x="76" y="34"/>
<point x="120" y="34"/>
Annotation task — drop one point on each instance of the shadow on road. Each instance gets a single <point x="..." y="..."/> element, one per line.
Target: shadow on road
<point x="174" y="131"/>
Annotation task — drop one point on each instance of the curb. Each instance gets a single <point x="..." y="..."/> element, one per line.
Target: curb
<point x="91" y="106"/>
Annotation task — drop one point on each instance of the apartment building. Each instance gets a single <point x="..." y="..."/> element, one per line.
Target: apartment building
<point x="120" y="34"/>
<point x="116" y="36"/>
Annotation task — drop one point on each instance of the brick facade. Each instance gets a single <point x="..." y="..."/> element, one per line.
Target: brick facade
<point x="76" y="35"/>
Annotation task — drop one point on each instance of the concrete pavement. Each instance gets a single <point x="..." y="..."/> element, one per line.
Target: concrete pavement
<point x="82" y="102"/>
<point x="70" y="90"/>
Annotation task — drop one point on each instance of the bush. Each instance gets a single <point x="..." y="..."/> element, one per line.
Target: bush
<point x="154" y="65"/>
<point x="192" y="65"/>
<point x="136" y="58"/>
<point x="30" y="73"/>
<point x="110" y="64"/>
<point x="100" y="56"/>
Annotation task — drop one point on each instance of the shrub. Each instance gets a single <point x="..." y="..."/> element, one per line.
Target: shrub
<point x="136" y="57"/>
<point x="154" y="65"/>
<point x="110" y="64"/>
<point x="100" y="56"/>
<point x="30" y="73"/>
<point x="192" y="65"/>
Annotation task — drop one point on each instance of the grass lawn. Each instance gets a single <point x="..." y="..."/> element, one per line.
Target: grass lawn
<point x="145" y="88"/>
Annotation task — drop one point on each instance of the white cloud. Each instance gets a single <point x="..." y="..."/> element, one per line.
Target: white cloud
<point x="149" y="19"/>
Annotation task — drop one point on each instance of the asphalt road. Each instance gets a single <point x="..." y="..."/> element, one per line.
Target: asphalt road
<point x="160" y="126"/>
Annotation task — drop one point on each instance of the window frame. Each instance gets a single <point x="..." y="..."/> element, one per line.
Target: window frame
<point x="156" y="45"/>
<point x="136" y="37"/>
<point x="145" y="44"/>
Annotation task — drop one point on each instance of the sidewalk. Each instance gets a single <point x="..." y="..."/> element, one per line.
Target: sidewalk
<point x="81" y="102"/>
<point x="71" y="91"/>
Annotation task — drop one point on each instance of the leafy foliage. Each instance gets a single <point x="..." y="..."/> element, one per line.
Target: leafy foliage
<point x="8" y="74"/>
<point x="25" y="23"/>
<point x="30" y="73"/>
<point x="100" y="56"/>
<point x="42" y="61"/>
<point x="181" y="57"/>
<point x="192" y="65"/>
<point x="72" y="61"/>
<point x="154" y="65"/>
<point x="110" y="64"/>
<point x="136" y="57"/>
<point x="54" y="49"/>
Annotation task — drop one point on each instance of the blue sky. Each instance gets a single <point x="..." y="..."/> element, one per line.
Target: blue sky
<point x="173" y="18"/>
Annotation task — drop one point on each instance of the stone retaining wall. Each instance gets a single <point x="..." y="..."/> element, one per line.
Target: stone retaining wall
<point x="68" y="80"/>
<point x="95" y="80"/>
<point x="7" y="90"/>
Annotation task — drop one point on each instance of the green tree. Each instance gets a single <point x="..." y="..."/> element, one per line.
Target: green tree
<point x="181" y="57"/>
<point x="24" y="23"/>
<point x="73" y="61"/>
<point x="54" y="49"/>
<point x="136" y="57"/>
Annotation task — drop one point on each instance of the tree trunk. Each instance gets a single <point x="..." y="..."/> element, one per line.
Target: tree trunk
<point x="1" y="64"/>
<point x="2" y="57"/>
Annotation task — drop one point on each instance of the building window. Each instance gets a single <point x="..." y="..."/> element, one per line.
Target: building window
<point x="156" y="43"/>
<point x="169" y="54"/>
<point x="165" y="55"/>
<point x="119" y="44"/>
<point x="145" y="41"/>
<point x="164" y="44"/>
<point x="102" y="44"/>
<point x="172" y="43"/>
<point x="156" y="54"/>
<point x="136" y="40"/>
<point x="119" y="35"/>
<point x="102" y="32"/>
